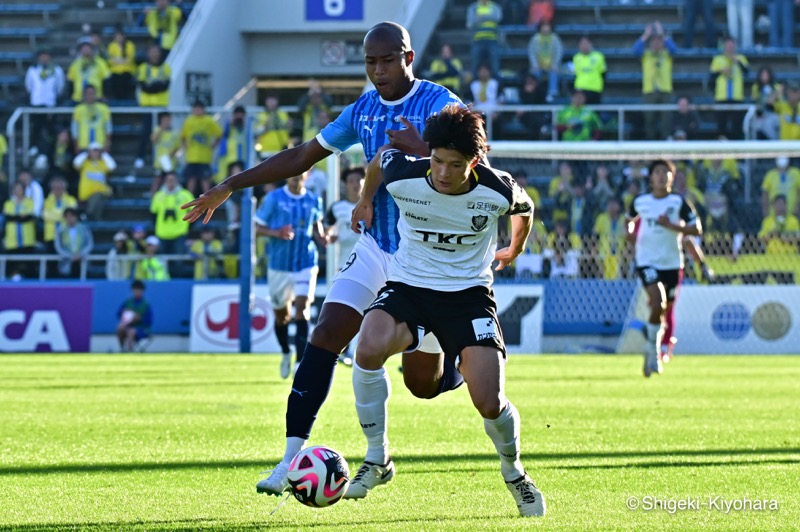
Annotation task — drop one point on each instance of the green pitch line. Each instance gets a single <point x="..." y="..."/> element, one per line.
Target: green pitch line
<point x="178" y="442"/>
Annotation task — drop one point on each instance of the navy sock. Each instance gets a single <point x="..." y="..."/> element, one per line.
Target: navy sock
<point x="282" y="333"/>
<point x="312" y="382"/>
<point x="300" y="338"/>
<point x="451" y="378"/>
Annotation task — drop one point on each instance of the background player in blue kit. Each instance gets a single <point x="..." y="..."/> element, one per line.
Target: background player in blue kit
<point x="377" y="117"/>
<point x="292" y="217"/>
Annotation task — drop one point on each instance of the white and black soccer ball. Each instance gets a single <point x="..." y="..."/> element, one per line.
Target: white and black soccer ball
<point x="318" y="476"/>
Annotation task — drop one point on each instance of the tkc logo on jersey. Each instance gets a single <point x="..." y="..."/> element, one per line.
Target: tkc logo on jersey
<point x="444" y="238"/>
<point x="217" y="320"/>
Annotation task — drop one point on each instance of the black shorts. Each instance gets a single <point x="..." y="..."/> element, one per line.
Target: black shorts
<point x="196" y="171"/>
<point x="671" y="279"/>
<point x="459" y="319"/>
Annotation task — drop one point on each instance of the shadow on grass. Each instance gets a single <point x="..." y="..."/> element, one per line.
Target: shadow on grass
<point x="667" y="460"/>
<point x="214" y="524"/>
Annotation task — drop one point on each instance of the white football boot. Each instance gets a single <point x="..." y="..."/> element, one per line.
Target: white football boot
<point x="529" y="499"/>
<point x="276" y="483"/>
<point x="368" y="476"/>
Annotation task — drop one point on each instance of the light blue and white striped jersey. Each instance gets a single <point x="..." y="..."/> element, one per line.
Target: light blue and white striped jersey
<point x="366" y="121"/>
<point x="302" y="212"/>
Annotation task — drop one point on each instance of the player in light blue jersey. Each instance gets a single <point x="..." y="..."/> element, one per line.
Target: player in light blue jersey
<point x="394" y="112"/>
<point x="292" y="219"/>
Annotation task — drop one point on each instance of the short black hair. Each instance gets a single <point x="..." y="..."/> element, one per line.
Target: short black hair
<point x="71" y="210"/>
<point x="457" y="128"/>
<point x="779" y="197"/>
<point x="162" y="114"/>
<point x="661" y="162"/>
<point x="199" y="103"/>
<point x="137" y="285"/>
<point x="238" y="109"/>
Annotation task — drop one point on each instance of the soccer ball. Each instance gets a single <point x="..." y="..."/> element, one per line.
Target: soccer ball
<point x="318" y="476"/>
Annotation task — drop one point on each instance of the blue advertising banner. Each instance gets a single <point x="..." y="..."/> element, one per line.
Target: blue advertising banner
<point x="331" y="10"/>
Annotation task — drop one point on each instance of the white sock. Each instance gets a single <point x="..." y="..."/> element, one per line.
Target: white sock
<point x="655" y="334"/>
<point x="293" y="446"/>
<point x="504" y="433"/>
<point x="372" y="390"/>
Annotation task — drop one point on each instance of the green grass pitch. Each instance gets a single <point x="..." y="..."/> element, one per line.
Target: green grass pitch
<point x="177" y="443"/>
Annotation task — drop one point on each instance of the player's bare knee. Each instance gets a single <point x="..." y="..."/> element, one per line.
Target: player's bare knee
<point x="489" y="407"/>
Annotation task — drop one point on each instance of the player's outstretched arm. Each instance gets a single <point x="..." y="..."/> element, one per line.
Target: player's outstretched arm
<point x="520" y="230"/>
<point x="372" y="180"/>
<point x="282" y="165"/>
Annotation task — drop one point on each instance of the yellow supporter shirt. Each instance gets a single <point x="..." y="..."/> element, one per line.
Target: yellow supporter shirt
<point x="128" y="55"/>
<point x="790" y="226"/>
<point x="19" y="234"/>
<point x="151" y="269"/>
<point x="210" y="268"/>
<point x="790" y="120"/>
<point x="166" y="206"/>
<point x="91" y="123"/>
<point x="729" y="87"/>
<point x="729" y="165"/>
<point x="53" y="214"/>
<point x="93" y="178"/>
<point x="200" y="133"/>
<point x="656" y="71"/>
<point x="235" y="150"/>
<point x="274" y="126"/>
<point x="166" y="144"/>
<point x="148" y="74"/>
<point x="163" y="25"/>
<point x="92" y="72"/>
<point x="589" y="70"/>
<point x="787" y="183"/>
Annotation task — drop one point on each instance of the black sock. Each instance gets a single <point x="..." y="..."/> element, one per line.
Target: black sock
<point x="300" y="338"/>
<point x="282" y="333"/>
<point x="312" y="382"/>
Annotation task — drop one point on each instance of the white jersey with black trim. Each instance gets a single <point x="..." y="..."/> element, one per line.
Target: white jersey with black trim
<point x="448" y="242"/>
<point x="656" y="245"/>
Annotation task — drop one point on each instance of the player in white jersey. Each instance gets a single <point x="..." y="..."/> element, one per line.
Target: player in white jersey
<point x="440" y="281"/>
<point x="664" y="220"/>
<point x="337" y="219"/>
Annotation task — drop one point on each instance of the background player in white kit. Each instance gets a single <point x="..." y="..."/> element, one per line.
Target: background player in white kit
<point x="665" y="218"/>
<point x="337" y="219"/>
<point x="440" y="281"/>
<point x="337" y="224"/>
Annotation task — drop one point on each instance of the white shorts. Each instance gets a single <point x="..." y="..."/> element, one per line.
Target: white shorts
<point x="361" y="278"/>
<point x="285" y="286"/>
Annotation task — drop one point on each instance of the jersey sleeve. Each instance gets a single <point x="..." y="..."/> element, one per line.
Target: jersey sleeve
<point x="687" y="213"/>
<point x="339" y="134"/>
<point x="632" y="212"/>
<point x="521" y="202"/>
<point x="397" y="165"/>
<point x="264" y="212"/>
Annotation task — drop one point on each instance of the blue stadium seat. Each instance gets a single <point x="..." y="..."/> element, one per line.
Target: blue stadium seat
<point x="130" y="31"/>
<point x="21" y="33"/>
